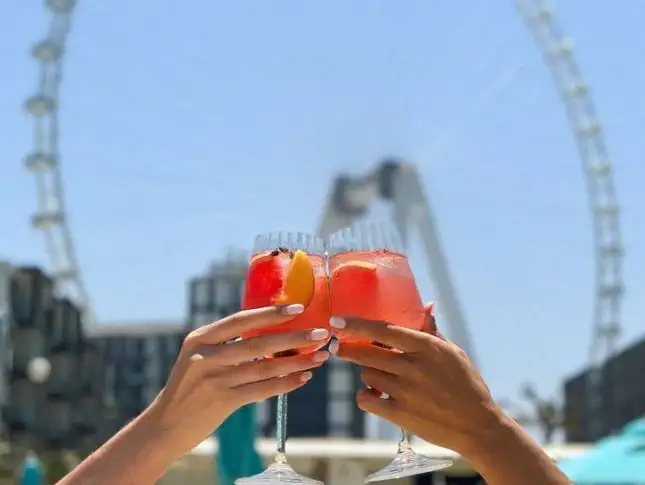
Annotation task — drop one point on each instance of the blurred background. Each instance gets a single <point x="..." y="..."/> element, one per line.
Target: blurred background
<point x="156" y="139"/>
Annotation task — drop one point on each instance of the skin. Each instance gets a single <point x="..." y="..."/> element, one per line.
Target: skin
<point x="437" y="394"/>
<point x="434" y="392"/>
<point x="207" y="384"/>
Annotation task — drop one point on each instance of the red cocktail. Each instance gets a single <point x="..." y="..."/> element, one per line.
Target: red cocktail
<point x="287" y="269"/>
<point x="375" y="285"/>
<point x="282" y="276"/>
<point x="371" y="279"/>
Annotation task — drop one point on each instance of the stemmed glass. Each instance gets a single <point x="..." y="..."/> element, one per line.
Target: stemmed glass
<point x="370" y="278"/>
<point x="270" y="262"/>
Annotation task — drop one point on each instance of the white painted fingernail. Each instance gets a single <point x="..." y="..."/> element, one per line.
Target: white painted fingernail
<point x="318" y="334"/>
<point x="295" y="309"/>
<point x="337" y="322"/>
<point x="333" y="347"/>
<point x="306" y="376"/>
<point x="321" y="356"/>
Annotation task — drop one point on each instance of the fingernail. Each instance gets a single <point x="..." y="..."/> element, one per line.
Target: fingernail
<point x="337" y="322"/>
<point x="333" y="347"/>
<point x="318" y="334"/>
<point x="305" y="376"/>
<point x="294" y="309"/>
<point x="320" y="356"/>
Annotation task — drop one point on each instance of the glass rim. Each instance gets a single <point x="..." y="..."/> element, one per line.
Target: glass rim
<point x="290" y="240"/>
<point x="366" y="236"/>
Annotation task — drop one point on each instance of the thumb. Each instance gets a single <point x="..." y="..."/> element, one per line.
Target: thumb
<point x="430" y="324"/>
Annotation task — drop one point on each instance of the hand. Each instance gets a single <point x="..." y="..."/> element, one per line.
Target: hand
<point x="434" y="391"/>
<point x="213" y="378"/>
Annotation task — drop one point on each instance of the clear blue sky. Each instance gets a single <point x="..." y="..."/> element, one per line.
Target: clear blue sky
<point x="190" y="126"/>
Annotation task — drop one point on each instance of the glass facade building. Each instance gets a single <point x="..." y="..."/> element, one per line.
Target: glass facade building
<point x="619" y="399"/>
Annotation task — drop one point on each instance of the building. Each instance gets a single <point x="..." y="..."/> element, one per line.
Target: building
<point x="619" y="396"/>
<point x="137" y="358"/>
<point x="217" y="293"/>
<point x="100" y="377"/>
<point x="42" y="345"/>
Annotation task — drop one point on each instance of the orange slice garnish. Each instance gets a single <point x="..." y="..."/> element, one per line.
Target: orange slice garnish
<point x="361" y="274"/>
<point x="362" y="266"/>
<point x="299" y="282"/>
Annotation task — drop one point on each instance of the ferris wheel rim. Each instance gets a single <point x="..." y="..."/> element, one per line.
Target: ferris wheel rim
<point x="52" y="219"/>
<point x="43" y="161"/>
<point x="597" y="167"/>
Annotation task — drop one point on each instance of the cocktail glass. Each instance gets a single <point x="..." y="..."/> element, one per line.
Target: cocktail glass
<point x="370" y="278"/>
<point x="272" y="280"/>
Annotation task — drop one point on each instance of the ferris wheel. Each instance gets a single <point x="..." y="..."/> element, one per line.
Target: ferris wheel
<point x="351" y="197"/>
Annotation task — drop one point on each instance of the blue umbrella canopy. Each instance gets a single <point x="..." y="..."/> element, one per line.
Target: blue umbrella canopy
<point x="617" y="460"/>
<point x="237" y="457"/>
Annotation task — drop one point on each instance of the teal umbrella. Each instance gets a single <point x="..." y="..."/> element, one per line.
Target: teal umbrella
<point x="617" y="460"/>
<point x="31" y="472"/>
<point x="237" y="456"/>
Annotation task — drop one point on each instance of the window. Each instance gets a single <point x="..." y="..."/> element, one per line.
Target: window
<point x="201" y="318"/>
<point x="263" y="410"/>
<point x="151" y="347"/>
<point x="339" y="432"/>
<point x="223" y="293"/>
<point x="340" y="381"/>
<point x="340" y="412"/>
<point x="200" y="292"/>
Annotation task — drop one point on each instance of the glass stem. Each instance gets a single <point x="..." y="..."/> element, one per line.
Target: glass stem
<point x="404" y="443"/>
<point x="281" y="429"/>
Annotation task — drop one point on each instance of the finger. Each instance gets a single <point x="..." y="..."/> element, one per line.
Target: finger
<point x="429" y="325"/>
<point x="381" y="381"/>
<point x="252" y="348"/>
<point x="385" y="360"/>
<point x="429" y="308"/>
<point x="261" y="370"/>
<point x="240" y="322"/>
<point x="370" y="402"/>
<point x="400" y="338"/>
<point x="259" y="391"/>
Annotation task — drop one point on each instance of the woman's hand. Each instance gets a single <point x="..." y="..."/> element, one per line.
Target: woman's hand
<point x="434" y="391"/>
<point x="212" y="378"/>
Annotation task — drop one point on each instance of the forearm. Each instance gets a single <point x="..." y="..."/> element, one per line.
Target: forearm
<point x="507" y="455"/>
<point x="138" y="455"/>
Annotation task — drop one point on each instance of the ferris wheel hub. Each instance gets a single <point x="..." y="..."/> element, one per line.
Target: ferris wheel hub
<point x="60" y="6"/>
<point x="39" y="105"/>
<point x="39" y="162"/>
<point x="47" y="51"/>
